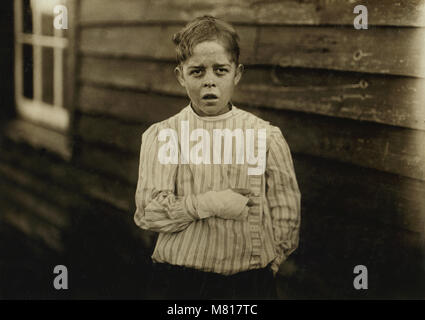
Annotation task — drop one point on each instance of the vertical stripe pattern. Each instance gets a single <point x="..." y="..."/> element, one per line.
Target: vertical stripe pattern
<point x="164" y="191"/>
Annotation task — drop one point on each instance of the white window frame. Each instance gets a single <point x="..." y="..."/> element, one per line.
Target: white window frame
<point x="56" y="116"/>
<point x="42" y="125"/>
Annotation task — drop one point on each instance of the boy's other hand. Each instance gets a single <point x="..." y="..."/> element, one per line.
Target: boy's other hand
<point x="234" y="204"/>
<point x="244" y="192"/>
<point x="226" y="204"/>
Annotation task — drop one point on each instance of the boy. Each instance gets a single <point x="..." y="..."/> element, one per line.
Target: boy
<point x="224" y="225"/>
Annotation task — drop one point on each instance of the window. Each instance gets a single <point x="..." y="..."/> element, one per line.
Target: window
<point x="44" y="69"/>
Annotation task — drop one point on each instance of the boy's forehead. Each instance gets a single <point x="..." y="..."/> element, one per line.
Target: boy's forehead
<point x="209" y="52"/>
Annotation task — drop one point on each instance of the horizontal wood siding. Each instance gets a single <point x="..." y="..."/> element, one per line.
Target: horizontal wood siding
<point x="392" y="100"/>
<point x="343" y="48"/>
<point x="311" y="12"/>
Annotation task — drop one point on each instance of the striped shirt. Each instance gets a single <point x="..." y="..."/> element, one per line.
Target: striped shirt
<point x="166" y="198"/>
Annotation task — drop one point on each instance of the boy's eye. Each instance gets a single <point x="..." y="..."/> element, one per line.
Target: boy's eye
<point x="196" y="72"/>
<point x="221" y="70"/>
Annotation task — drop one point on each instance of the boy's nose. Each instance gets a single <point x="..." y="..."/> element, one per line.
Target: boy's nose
<point x="209" y="80"/>
<point x="209" y="83"/>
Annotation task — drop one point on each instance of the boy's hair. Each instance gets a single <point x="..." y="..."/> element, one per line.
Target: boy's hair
<point x="202" y="29"/>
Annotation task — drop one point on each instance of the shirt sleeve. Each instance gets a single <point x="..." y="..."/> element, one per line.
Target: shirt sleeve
<point x="157" y="207"/>
<point x="283" y="196"/>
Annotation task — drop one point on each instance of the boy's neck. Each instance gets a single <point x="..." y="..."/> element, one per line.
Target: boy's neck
<point x="229" y="108"/>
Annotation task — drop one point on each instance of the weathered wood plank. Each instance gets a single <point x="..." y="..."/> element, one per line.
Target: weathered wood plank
<point x="312" y="12"/>
<point x="114" y="163"/>
<point x="151" y="41"/>
<point x="343" y="48"/>
<point x="111" y="132"/>
<point x="347" y="191"/>
<point x="133" y="74"/>
<point x="128" y="105"/>
<point x="130" y="41"/>
<point x="113" y="192"/>
<point x="385" y="148"/>
<point x="390" y="100"/>
<point x="28" y="199"/>
<point x="30" y="225"/>
<point x="324" y="12"/>
<point x="69" y="200"/>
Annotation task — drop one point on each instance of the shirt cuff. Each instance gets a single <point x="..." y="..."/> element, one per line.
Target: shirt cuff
<point x="181" y="210"/>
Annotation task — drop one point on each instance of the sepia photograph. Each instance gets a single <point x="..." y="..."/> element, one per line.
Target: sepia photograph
<point x="212" y="150"/>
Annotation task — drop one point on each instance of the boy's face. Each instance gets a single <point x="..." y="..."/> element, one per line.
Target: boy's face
<point x="209" y="77"/>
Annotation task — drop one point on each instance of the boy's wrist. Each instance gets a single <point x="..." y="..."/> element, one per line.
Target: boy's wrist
<point x="225" y="204"/>
<point x="207" y="205"/>
<point x="234" y="205"/>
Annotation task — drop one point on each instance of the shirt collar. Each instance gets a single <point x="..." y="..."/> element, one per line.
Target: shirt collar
<point x="223" y="116"/>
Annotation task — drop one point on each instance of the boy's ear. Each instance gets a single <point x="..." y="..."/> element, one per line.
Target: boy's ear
<point x="238" y="73"/>
<point x="178" y="71"/>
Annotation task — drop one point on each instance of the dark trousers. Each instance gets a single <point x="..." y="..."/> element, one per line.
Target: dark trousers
<point x="174" y="282"/>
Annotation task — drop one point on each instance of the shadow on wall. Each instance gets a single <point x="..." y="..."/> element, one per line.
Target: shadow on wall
<point x="102" y="256"/>
<point x="336" y="236"/>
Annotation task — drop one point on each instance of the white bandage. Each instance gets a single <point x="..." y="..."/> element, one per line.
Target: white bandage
<point x="225" y="204"/>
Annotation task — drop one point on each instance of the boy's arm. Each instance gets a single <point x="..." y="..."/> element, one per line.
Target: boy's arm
<point x="159" y="209"/>
<point x="283" y="196"/>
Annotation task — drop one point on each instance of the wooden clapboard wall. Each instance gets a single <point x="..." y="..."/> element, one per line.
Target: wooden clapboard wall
<point x="351" y="104"/>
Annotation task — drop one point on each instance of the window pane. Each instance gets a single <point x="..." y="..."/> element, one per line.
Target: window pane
<point x="28" y="70"/>
<point x="47" y="24"/>
<point x="47" y="78"/>
<point x="65" y="77"/>
<point x="44" y="10"/>
<point x="27" y="16"/>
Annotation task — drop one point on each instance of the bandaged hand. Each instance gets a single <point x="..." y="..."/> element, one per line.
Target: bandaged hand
<point x="226" y="204"/>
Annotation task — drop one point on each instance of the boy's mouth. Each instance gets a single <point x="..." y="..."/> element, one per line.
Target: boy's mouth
<point x="209" y="96"/>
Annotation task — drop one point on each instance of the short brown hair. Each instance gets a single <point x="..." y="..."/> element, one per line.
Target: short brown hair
<point x="206" y="28"/>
